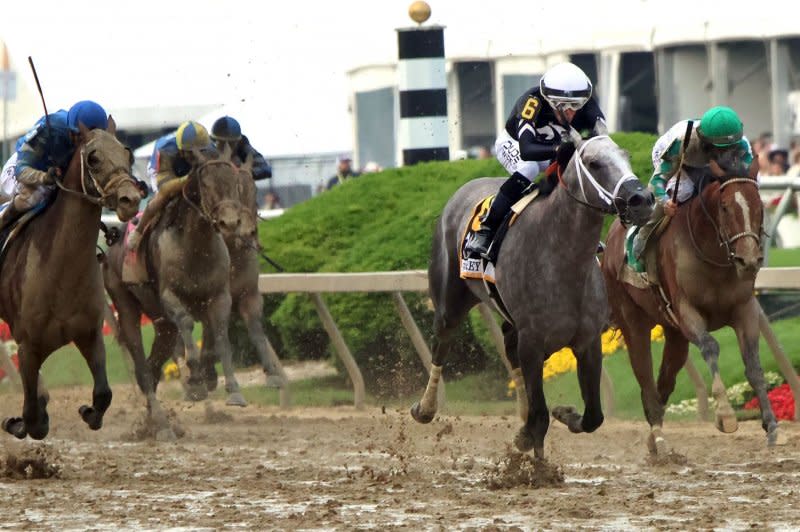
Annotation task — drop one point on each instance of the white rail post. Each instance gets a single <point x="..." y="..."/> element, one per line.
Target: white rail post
<point x="342" y="350"/>
<point x="420" y="345"/>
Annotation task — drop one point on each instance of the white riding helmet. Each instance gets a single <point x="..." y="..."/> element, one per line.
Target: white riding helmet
<point x="565" y="86"/>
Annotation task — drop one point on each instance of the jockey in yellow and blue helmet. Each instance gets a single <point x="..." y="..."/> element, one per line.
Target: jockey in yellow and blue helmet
<point x="169" y="167"/>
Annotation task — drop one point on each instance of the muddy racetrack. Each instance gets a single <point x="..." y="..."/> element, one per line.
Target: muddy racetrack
<point x="335" y="468"/>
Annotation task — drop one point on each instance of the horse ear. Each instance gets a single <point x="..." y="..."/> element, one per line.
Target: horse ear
<point x="716" y="169"/>
<point x="227" y="151"/>
<point x="199" y="156"/>
<point x="575" y="136"/>
<point x="83" y="130"/>
<point x="112" y="126"/>
<point x="248" y="163"/>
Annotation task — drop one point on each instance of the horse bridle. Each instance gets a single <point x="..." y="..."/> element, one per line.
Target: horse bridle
<point x="201" y="209"/>
<point x="612" y="199"/>
<point x="104" y="196"/>
<point x="723" y="241"/>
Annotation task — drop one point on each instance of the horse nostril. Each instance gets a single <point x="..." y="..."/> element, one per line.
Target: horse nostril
<point x="636" y="200"/>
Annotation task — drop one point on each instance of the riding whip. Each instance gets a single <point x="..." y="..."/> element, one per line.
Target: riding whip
<point x="686" y="137"/>
<point x="41" y="94"/>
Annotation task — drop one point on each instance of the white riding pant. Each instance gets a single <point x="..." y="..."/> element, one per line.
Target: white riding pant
<point x="508" y="154"/>
<point x="8" y="181"/>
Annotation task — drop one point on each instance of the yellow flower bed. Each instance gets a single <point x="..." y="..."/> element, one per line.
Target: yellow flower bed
<point x="563" y="360"/>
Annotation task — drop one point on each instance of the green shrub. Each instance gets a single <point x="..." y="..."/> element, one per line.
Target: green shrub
<point x="382" y="222"/>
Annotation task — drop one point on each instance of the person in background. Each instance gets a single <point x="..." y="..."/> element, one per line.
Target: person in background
<point x="271" y="201"/>
<point x="778" y="162"/>
<point x="344" y="172"/>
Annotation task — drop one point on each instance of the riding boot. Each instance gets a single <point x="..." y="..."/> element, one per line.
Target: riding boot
<point x="644" y="232"/>
<point x="510" y="192"/>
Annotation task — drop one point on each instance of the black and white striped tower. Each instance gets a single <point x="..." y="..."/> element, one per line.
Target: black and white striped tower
<point x="422" y="84"/>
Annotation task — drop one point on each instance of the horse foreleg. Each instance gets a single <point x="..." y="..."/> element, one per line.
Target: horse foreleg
<point x="746" y="325"/>
<point x="93" y="350"/>
<point x="34" y="420"/>
<point x="590" y="365"/>
<point x="695" y="329"/>
<point x="217" y="319"/>
<point x="208" y="359"/>
<point x="195" y="390"/>
<point x="252" y="312"/>
<point x="510" y="338"/>
<point x="531" y="434"/>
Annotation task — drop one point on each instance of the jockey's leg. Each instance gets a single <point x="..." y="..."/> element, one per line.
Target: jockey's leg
<point x="168" y="190"/>
<point x="24" y="200"/>
<point x="510" y="192"/>
<point x="643" y="235"/>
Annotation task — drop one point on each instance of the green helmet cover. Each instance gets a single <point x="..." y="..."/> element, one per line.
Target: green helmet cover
<point x="721" y="126"/>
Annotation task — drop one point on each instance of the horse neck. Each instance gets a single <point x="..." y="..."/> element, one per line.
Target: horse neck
<point x="194" y="230"/>
<point x="578" y="225"/>
<point x="74" y="221"/>
<point x="703" y="222"/>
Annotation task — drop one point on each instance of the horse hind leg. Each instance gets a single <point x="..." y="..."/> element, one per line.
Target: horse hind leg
<point x="444" y="326"/>
<point x="251" y="311"/>
<point x="93" y="350"/>
<point x="35" y="420"/>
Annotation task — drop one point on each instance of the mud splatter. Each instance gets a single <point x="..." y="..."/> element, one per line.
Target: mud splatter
<point x="32" y="462"/>
<point x="516" y="469"/>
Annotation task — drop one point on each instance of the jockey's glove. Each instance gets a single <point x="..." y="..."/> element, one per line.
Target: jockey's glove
<point x="36" y="178"/>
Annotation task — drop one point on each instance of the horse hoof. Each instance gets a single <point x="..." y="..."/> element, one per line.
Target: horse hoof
<point x="776" y="438"/>
<point x="92" y="417"/>
<point x="419" y="416"/>
<point x="274" y="381"/>
<point x="236" y="399"/>
<point x="656" y="443"/>
<point x="569" y="417"/>
<point x="524" y="441"/>
<point x="15" y="426"/>
<point x="166" y="435"/>
<point x="727" y="423"/>
<point x="195" y="392"/>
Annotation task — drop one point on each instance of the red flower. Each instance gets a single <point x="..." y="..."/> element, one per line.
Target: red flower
<point x="782" y="402"/>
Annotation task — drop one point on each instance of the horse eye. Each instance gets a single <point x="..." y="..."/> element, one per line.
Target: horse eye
<point x="92" y="159"/>
<point x="594" y="165"/>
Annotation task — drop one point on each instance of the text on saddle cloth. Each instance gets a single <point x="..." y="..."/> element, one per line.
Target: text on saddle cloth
<point x="473" y="268"/>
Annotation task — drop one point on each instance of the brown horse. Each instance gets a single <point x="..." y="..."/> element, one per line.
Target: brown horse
<point x="51" y="291"/>
<point x="189" y="268"/>
<point x="707" y="259"/>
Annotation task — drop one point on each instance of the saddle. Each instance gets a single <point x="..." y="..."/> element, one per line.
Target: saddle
<point x="13" y="229"/>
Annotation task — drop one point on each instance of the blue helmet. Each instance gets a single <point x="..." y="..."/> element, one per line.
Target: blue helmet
<point x="226" y="129"/>
<point x="89" y="113"/>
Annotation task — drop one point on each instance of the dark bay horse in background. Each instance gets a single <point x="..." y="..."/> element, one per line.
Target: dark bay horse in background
<point x="707" y="260"/>
<point x="189" y="268"/>
<point x="51" y="289"/>
<point x="547" y="276"/>
<point x="243" y="248"/>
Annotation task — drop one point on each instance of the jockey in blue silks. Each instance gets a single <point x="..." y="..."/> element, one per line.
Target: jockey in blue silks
<point x="43" y="154"/>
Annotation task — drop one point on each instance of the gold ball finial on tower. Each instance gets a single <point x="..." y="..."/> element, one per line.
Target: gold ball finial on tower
<point x="419" y="11"/>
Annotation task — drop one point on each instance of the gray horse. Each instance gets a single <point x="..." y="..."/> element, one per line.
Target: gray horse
<point x="547" y="277"/>
<point x="245" y="269"/>
<point x="189" y="266"/>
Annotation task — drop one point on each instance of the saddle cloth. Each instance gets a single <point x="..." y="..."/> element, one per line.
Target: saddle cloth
<point x="134" y="268"/>
<point x="477" y="268"/>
